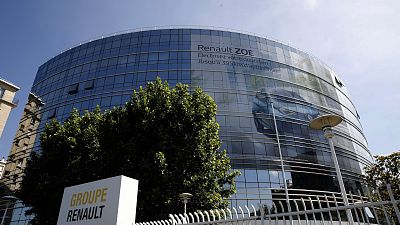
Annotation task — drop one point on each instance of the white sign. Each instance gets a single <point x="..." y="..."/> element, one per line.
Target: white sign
<point x="111" y="201"/>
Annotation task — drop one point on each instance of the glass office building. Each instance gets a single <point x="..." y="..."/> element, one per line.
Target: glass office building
<point x="245" y="74"/>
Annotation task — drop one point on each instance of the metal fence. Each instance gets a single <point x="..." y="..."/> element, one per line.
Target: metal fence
<point x="379" y="206"/>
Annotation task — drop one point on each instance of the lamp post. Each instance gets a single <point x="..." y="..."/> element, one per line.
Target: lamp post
<point x="185" y="198"/>
<point x="9" y="198"/>
<point x="285" y="181"/>
<point x="325" y="123"/>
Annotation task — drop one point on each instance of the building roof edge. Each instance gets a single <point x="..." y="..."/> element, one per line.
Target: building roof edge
<point x="9" y="84"/>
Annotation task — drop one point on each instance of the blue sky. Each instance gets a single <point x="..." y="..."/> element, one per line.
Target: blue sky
<point x="359" y="39"/>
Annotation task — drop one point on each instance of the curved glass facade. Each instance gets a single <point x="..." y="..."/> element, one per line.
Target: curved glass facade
<point x="246" y="75"/>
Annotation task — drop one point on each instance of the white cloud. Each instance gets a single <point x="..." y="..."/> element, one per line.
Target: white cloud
<point x="310" y="4"/>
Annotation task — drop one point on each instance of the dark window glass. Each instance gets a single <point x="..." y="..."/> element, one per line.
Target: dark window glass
<point x="51" y="114"/>
<point x="112" y="62"/>
<point x="116" y="100"/>
<point x="131" y="58"/>
<point x="154" y="39"/>
<point x="119" y="79"/>
<point x="122" y="60"/>
<point x="153" y="56"/>
<point x="89" y="85"/>
<point x="164" y="38"/>
<point x="116" y="44"/>
<point x="73" y="89"/>
<point x="109" y="81"/>
<point x="105" y="101"/>
<point x="143" y="57"/>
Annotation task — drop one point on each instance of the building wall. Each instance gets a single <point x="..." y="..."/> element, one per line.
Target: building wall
<point x="244" y="74"/>
<point x="7" y="93"/>
<point x="23" y="143"/>
<point x="2" y="165"/>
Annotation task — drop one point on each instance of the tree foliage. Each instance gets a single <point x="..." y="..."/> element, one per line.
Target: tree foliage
<point x="385" y="170"/>
<point x="166" y="138"/>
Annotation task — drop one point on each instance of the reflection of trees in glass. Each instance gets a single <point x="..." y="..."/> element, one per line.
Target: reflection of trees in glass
<point x="255" y="82"/>
<point x="196" y="79"/>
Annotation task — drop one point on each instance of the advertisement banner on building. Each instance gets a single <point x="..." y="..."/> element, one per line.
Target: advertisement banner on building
<point x="110" y="201"/>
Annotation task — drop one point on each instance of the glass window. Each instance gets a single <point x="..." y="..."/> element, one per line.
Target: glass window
<point x="73" y="89"/>
<point x="112" y="62"/>
<point x="125" y="99"/>
<point x="244" y="122"/>
<point x="173" y="55"/>
<point x="51" y="114"/>
<point x="119" y="79"/>
<point x="274" y="176"/>
<point x="259" y="148"/>
<point x="263" y="175"/>
<point x="125" y="42"/>
<point x="109" y="80"/>
<point x="116" y="44"/>
<point x="100" y="82"/>
<point x="104" y="63"/>
<point x="86" y="67"/>
<point x="143" y="57"/>
<point x="251" y="175"/>
<point x="93" y="66"/>
<point x="248" y="148"/>
<point x="240" y="178"/>
<point x="2" y="90"/>
<point x="89" y="85"/>
<point x="116" y="100"/>
<point x="122" y="60"/>
<point x="163" y="56"/>
<point x="154" y="39"/>
<point x="153" y="56"/>
<point x="164" y="38"/>
<point x="131" y="58"/>
<point x="174" y="37"/>
<point x="105" y="101"/>
<point x="85" y="105"/>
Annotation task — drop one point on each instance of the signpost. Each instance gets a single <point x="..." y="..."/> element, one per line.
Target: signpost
<point x="110" y="201"/>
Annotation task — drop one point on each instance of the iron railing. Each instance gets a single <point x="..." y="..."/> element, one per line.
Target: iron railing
<point x="379" y="206"/>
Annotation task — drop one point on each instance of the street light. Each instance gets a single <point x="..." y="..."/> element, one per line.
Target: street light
<point x="185" y="198"/>
<point x="325" y="123"/>
<point x="9" y="198"/>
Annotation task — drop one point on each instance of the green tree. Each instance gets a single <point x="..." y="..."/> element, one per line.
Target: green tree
<point x="385" y="170"/>
<point x="166" y="138"/>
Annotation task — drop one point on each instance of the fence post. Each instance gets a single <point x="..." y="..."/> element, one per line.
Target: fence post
<point x="174" y="222"/>
<point x="355" y="209"/>
<point x="297" y="211"/>
<point x="373" y="208"/>
<point x="383" y="207"/>
<point x="337" y="211"/>
<point x="262" y="212"/>
<point x="320" y="207"/>
<point x="363" y="209"/>
<point x="312" y="208"/>
<point x="305" y="209"/>
<point x="328" y="206"/>
<point x="393" y="200"/>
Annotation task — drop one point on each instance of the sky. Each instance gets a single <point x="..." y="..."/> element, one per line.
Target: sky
<point x="358" y="39"/>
